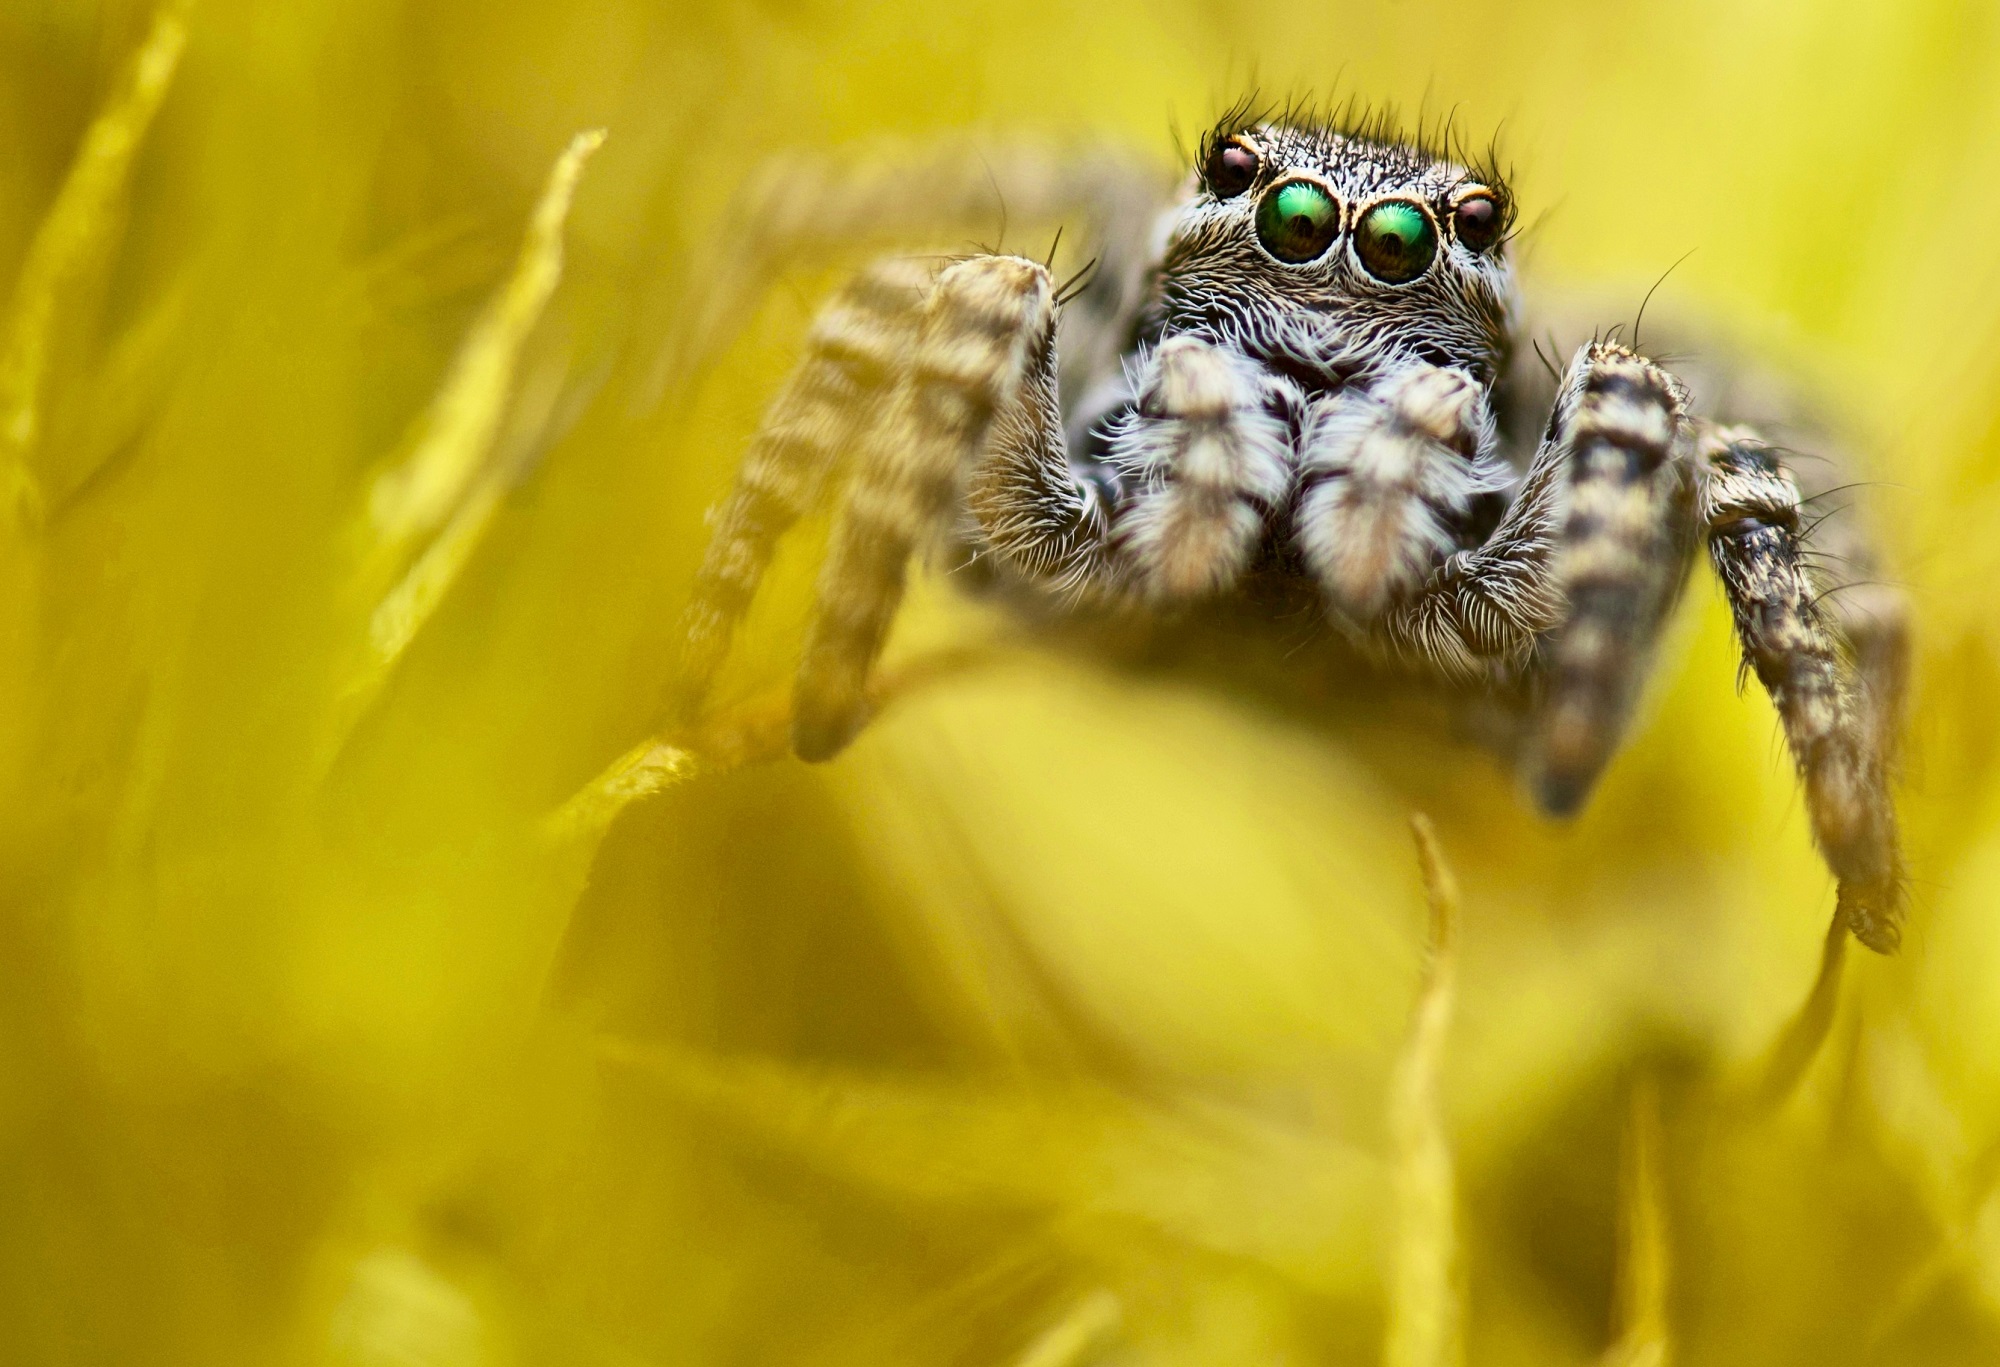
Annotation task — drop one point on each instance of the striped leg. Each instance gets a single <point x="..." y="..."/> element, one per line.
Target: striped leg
<point x="1042" y="520"/>
<point x="1621" y="556"/>
<point x="983" y="327"/>
<point x="1835" y="722"/>
<point x="1389" y="476"/>
<point x="1209" y="460"/>
<point x="854" y="353"/>
<point x="1171" y="505"/>
<point x="1870" y="616"/>
<point x="1575" y="579"/>
<point x="807" y="209"/>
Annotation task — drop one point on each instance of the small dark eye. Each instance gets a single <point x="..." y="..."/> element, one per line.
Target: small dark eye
<point x="1297" y="221"/>
<point x="1395" y="241"/>
<point x="1476" y="222"/>
<point x="1231" y="167"/>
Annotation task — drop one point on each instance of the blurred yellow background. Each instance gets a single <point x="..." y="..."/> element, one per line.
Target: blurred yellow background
<point x="1053" y="1023"/>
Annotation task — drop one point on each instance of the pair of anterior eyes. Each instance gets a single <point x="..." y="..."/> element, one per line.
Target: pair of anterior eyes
<point x="1395" y="239"/>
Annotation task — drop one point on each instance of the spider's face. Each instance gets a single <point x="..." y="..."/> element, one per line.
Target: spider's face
<point x="1332" y="254"/>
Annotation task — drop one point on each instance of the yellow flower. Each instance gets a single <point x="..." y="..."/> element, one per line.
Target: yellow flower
<point x="361" y="1005"/>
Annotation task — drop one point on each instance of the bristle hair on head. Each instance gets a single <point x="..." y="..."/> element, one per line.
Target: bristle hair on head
<point x="1434" y="136"/>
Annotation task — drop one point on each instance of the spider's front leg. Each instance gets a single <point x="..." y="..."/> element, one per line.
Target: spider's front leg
<point x="1389" y="475"/>
<point x="1622" y="542"/>
<point x="982" y="328"/>
<point x="1643" y="481"/>
<point x="854" y="357"/>
<point x="1167" y="507"/>
<point x="1575" y="583"/>
<point x="923" y="391"/>
<point x="1206" y="456"/>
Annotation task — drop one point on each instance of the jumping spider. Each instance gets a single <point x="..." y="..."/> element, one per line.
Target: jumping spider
<point x="1300" y="376"/>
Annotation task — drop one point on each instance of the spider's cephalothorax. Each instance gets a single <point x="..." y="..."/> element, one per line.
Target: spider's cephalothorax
<point x="1332" y="256"/>
<point x="1295" y="371"/>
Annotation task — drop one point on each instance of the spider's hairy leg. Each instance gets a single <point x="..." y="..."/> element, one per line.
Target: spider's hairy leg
<point x="1388" y="472"/>
<point x="854" y="352"/>
<point x="1210" y="460"/>
<point x="802" y="209"/>
<point x="1482" y="613"/>
<point x="1045" y="523"/>
<point x="1867" y="613"/>
<point x="1832" y="720"/>
<point x="983" y="325"/>
<point x="1870" y="616"/>
<point x="1172" y="508"/>
<point x="1621" y="556"/>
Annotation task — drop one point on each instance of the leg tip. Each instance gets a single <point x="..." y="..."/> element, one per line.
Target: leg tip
<point x="820" y="734"/>
<point x="1561" y="795"/>
<point x="1874" y="914"/>
<point x="1564" y="763"/>
<point x="679" y="708"/>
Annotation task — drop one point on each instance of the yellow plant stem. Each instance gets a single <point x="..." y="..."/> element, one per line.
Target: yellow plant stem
<point x="1798" y="1044"/>
<point x="1425" y="1299"/>
<point x="1644" y="1255"/>
<point x="1077" y="1335"/>
<point x="756" y="733"/>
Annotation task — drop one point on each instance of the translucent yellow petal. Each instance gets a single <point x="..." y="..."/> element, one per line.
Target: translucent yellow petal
<point x="449" y="451"/>
<point x="451" y="476"/>
<point x="75" y="241"/>
<point x="1218" y="1177"/>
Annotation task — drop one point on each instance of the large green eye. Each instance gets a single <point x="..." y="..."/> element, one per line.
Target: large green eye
<point x="1395" y="241"/>
<point x="1297" y="221"/>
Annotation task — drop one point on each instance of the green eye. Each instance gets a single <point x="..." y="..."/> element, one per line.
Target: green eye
<point x="1297" y="221"/>
<point x="1396" y="242"/>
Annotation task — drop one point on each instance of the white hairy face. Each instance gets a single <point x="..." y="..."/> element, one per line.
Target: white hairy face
<point x="1330" y="254"/>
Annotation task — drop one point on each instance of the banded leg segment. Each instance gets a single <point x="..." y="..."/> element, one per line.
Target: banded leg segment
<point x="1621" y="556"/>
<point x="855" y="352"/>
<point x="1389" y="475"/>
<point x="1483" y="613"/>
<point x="1209" y="459"/>
<point x="1038" y="517"/>
<point x="982" y="328"/>
<point x="1836" y="540"/>
<point x="1832" y="723"/>
<point x="804" y="209"/>
<point x="1870" y="616"/>
<point x="1575" y="582"/>
<point x="1172" y="506"/>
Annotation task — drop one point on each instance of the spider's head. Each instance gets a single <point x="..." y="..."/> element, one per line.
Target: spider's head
<point x="1333" y="249"/>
